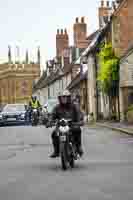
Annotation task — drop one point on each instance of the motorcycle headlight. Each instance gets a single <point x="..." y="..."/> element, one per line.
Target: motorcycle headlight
<point x="22" y="115"/>
<point x="64" y="129"/>
<point x="34" y="110"/>
<point x="0" y="116"/>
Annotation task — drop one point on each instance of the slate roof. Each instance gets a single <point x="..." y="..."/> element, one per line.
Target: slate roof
<point x="68" y="68"/>
<point x="77" y="80"/>
<point x="92" y="35"/>
<point x="39" y="82"/>
<point x="55" y="75"/>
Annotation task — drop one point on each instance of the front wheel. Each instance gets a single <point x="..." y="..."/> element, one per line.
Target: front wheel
<point x="64" y="159"/>
<point x="35" y="120"/>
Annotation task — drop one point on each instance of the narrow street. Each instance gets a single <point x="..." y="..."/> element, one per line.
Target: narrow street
<point x="27" y="172"/>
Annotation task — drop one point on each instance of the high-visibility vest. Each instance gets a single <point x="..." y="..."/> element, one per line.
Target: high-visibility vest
<point x="34" y="104"/>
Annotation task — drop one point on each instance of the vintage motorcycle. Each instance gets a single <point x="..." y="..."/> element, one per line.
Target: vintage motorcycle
<point x="67" y="147"/>
<point x="34" y="117"/>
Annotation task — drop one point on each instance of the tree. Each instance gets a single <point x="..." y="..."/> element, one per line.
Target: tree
<point x="108" y="75"/>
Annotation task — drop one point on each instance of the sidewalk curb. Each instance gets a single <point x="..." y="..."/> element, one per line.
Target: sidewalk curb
<point x="129" y="132"/>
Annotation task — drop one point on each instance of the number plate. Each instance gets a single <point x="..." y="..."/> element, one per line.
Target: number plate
<point x="11" y="119"/>
<point x="63" y="138"/>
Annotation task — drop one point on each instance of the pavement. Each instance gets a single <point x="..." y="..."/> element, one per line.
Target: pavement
<point x="118" y="126"/>
<point x="27" y="172"/>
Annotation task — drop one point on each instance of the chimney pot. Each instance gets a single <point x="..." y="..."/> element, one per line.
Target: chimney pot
<point x="82" y="20"/>
<point x="61" y="31"/>
<point x="102" y="3"/>
<point x="118" y="1"/>
<point x="114" y="5"/>
<point x="58" y="31"/>
<point x="107" y="3"/>
<point x="65" y="31"/>
<point x="77" y="20"/>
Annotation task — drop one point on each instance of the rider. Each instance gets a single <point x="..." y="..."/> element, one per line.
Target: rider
<point x="65" y="109"/>
<point x="34" y="104"/>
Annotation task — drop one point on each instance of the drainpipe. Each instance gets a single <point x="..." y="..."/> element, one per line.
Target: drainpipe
<point x="96" y="74"/>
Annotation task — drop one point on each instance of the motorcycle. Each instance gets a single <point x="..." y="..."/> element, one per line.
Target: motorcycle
<point x="34" y="117"/>
<point x="67" y="147"/>
<point x="45" y="116"/>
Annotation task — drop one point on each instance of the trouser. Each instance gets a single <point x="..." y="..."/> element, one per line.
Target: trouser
<point x="76" y="135"/>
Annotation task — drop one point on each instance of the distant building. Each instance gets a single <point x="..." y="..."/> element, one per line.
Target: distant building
<point x="16" y="79"/>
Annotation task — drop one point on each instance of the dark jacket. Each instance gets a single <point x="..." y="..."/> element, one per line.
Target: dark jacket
<point x="69" y="112"/>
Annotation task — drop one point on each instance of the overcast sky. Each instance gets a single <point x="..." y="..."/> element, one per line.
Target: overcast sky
<point x="29" y="23"/>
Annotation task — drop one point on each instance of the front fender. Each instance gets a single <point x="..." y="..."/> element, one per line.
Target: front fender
<point x="62" y="147"/>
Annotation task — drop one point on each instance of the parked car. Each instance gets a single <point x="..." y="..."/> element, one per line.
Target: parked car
<point x="47" y="109"/>
<point x="13" y="113"/>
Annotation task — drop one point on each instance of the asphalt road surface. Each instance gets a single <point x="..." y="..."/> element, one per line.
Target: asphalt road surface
<point x="27" y="173"/>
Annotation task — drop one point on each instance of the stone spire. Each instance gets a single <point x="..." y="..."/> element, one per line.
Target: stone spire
<point x="27" y="57"/>
<point x="9" y="55"/>
<point x="38" y="55"/>
<point x="17" y="59"/>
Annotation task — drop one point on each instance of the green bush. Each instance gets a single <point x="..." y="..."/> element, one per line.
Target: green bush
<point x="130" y="108"/>
<point x="109" y="68"/>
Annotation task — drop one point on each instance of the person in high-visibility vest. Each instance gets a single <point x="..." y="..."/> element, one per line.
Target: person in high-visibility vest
<point x="34" y="104"/>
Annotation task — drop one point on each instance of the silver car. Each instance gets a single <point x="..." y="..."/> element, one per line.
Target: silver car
<point x="13" y="113"/>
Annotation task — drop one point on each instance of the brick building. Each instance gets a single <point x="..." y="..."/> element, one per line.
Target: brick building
<point x="62" y="69"/>
<point x="16" y="79"/>
<point x="80" y="33"/>
<point x="122" y="26"/>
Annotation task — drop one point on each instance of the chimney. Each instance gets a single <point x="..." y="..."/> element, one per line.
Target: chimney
<point x="49" y="66"/>
<point x="114" y="5"/>
<point x="80" y="33"/>
<point x="62" y="42"/>
<point x="104" y="13"/>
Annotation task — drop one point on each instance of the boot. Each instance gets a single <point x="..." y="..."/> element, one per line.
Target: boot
<point x="54" y="154"/>
<point x="79" y="146"/>
<point x="56" y="151"/>
<point x="80" y="150"/>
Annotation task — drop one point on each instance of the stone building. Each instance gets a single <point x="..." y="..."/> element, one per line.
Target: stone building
<point x="78" y="88"/>
<point x="126" y="82"/>
<point x="16" y="79"/>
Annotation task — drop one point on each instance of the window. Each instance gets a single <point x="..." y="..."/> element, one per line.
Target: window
<point x="130" y="99"/>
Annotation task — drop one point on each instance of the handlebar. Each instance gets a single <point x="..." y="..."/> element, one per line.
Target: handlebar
<point x="56" y="122"/>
